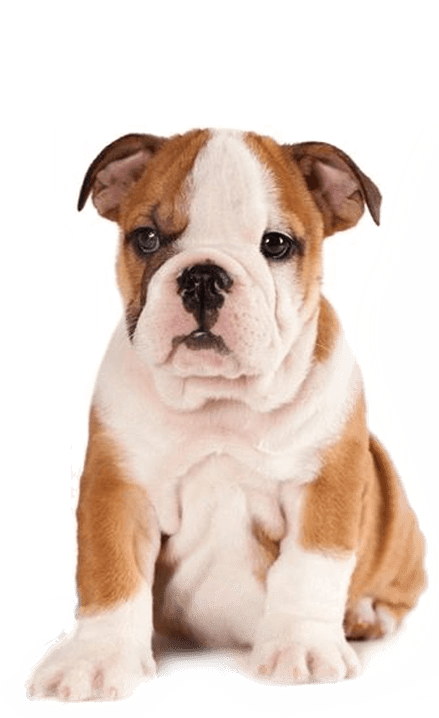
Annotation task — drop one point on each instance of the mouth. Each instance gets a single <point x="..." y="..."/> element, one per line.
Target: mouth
<point x="201" y="339"/>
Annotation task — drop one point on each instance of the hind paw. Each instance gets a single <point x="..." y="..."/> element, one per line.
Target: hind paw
<point x="367" y="620"/>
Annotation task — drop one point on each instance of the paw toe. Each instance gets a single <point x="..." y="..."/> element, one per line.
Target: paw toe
<point x="292" y="665"/>
<point x="326" y="666"/>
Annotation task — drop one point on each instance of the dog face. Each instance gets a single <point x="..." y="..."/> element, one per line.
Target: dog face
<point x="220" y="250"/>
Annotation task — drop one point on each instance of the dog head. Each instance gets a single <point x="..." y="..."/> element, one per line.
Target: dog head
<point x="220" y="250"/>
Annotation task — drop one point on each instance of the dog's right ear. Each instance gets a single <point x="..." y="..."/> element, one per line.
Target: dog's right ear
<point x="115" y="170"/>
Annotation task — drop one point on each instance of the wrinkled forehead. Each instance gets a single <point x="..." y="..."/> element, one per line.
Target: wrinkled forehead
<point x="232" y="193"/>
<point x="214" y="185"/>
<point x="162" y="194"/>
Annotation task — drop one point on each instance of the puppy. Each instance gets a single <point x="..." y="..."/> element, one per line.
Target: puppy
<point x="232" y="493"/>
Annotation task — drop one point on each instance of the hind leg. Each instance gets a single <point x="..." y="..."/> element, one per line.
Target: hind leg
<point x="370" y="619"/>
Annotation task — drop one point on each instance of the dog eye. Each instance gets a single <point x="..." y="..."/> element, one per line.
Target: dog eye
<point x="146" y="240"/>
<point x="276" y="245"/>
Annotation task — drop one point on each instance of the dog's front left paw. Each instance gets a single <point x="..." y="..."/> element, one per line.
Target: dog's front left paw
<point x="80" y="670"/>
<point x="306" y="652"/>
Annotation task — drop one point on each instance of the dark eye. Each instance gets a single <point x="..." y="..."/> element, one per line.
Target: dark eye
<point x="276" y="245"/>
<point x="146" y="240"/>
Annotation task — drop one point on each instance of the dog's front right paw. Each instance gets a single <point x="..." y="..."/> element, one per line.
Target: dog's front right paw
<point x="80" y="670"/>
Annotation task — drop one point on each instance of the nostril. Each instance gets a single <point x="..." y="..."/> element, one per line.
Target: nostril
<point x="182" y="280"/>
<point x="221" y="279"/>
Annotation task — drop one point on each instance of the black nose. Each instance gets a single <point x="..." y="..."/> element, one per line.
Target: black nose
<point x="202" y="288"/>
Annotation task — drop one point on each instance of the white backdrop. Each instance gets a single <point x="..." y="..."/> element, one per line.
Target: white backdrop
<point x="383" y="283"/>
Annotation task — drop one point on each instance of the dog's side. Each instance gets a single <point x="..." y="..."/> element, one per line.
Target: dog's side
<point x="231" y="493"/>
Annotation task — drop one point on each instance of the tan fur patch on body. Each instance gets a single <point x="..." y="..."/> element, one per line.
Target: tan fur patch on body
<point x="332" y="503"/>
<point x="267" y="550"/>
<point x="327" y="331"/>
<point x="357" y="504"/>
<point x="389" y="564"/>
<point x="113" y="533"/>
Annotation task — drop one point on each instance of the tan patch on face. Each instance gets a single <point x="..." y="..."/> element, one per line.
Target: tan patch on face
<point x="296" y="207"/>
<point x="150" y="266"/>
<point x="116" y="538"/>
<point x="159" y="199"/>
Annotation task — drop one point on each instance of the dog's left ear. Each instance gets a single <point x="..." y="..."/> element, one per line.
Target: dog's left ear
<point x="339" y="188"/>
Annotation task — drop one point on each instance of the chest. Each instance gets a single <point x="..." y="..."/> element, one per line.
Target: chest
<point x="211" y="571"/>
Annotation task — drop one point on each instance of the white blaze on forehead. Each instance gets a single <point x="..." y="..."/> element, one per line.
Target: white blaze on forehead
<point x="230" y="194"/>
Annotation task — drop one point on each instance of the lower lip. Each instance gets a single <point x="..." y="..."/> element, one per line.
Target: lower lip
<point x="200" y="339"/>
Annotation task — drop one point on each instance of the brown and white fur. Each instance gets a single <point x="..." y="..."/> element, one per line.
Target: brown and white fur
<point x="232" y="493"/>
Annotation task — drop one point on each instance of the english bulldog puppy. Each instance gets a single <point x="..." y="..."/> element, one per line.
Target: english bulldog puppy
<point x="232" y="493"/>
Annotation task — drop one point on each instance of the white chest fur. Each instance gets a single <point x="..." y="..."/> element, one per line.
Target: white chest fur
<point x="213" y="472"/>
<point x="215" y="583"/>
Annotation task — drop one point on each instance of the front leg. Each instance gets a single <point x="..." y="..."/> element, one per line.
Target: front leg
<point x="300" y="636"/>
<point x="109" y="652"/>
